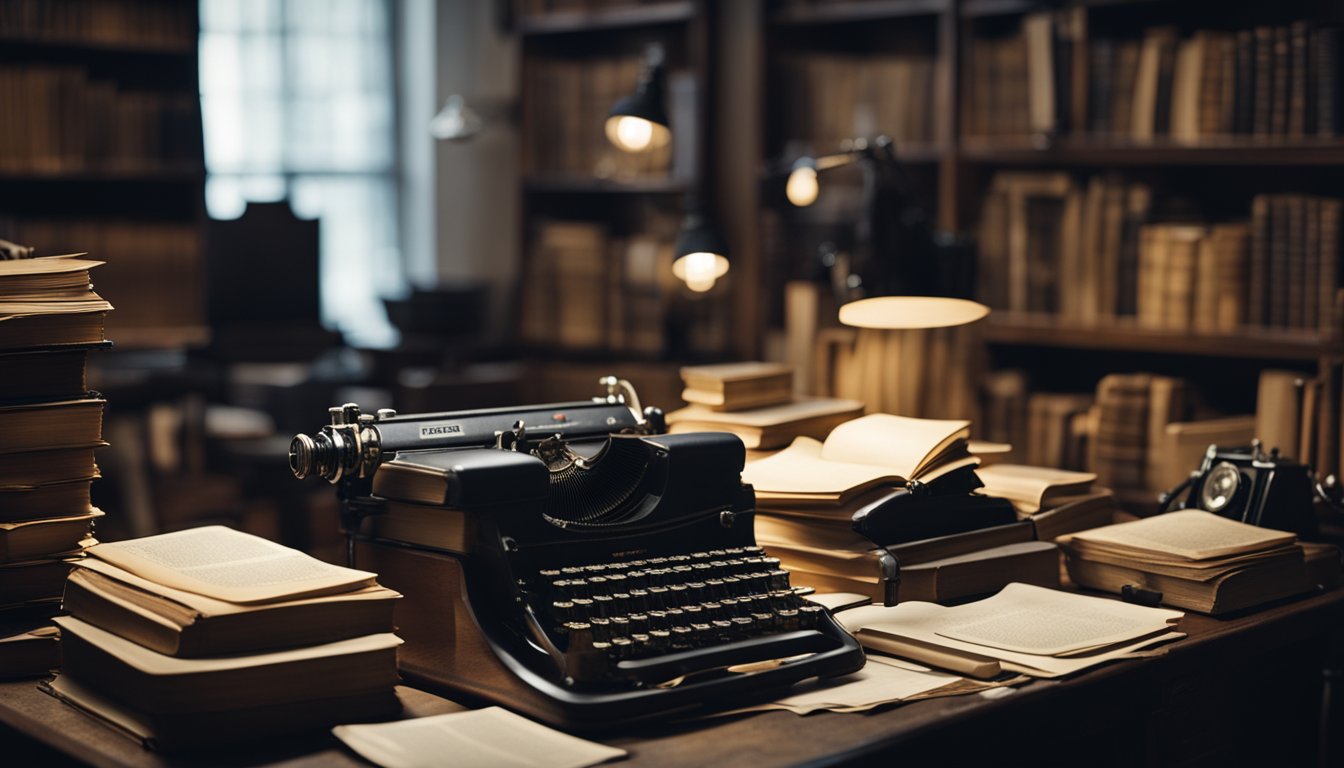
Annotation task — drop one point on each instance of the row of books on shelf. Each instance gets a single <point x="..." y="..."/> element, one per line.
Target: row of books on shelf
<point x="585" y="289"/>
<point x="566" y="103"/>
<point x="1055" y="76"/>
<point x="829" y="98"/>
<point x="124" y="22"/>
<point x="72" y="122"/>
<point x="53" y="425"/>
<point x="1143" y="433"/>
<point x="1088" y="252"/>
<point x="157" y="267"/>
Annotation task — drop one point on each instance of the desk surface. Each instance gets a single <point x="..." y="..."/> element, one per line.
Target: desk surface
<point x="1221" y="665"/>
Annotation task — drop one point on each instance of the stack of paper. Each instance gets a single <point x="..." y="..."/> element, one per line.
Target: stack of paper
<point x="1032" y="630"/>
<point x="1195" y="559"/>
<point x="211" y="636"/>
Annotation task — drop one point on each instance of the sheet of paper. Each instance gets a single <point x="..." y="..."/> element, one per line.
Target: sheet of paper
<point x="1050" y="622"/>
<point x="479" y="738"/>
<point x="1188" y="534"/>
<point x="230" y="565"/>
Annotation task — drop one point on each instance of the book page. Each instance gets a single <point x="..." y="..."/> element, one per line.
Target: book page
<point x="480" y="738"/>
<point x="800" y="469"/>
<point x="230" y="565"/>
<point x="50" y="265"/>
<point x="155" y="663"/>
<point x="899" y="443"/>
<point x="1189" y="534"/>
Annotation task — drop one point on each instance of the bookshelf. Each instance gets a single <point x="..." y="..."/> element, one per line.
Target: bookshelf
<point x="1196" y="168"/>
<point x="599" y="224"/>
<point x="107" y="155"/>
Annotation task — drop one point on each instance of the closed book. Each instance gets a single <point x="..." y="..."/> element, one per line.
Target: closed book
<point x="772" y="426"/>
<point x="62" y="499"/>
<point x="1077" y="513"/>
<point x="48" y="466"/>
<point x="30" y="539"/>
<point x="49" y="374"/>
<point x="31" y="653"/>
<point x="182" y="731"/>
<point x="53" y="323"/>
<point x="183" y="624"/>
<point x="61" y="424"/>
<point x="153" y="682"/>
<point x="33" y="581"/>
<point x="738" y="385"/>
<point x="1235" y="590"/>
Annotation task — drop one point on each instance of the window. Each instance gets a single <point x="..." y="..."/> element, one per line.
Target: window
<point x="298" y="103"/>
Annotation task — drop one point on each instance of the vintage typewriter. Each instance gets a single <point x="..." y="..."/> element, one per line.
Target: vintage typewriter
<point x="608" y="572"/>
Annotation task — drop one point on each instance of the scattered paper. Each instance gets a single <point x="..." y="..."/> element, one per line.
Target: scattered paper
<point x="1065" y="632"/>
<point x="479" y="738"/>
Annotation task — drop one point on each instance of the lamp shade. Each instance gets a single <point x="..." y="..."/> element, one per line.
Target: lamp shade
<point x="702" y="255"/>
<point x="911" y="312"/>
<point x="638" y="123"/>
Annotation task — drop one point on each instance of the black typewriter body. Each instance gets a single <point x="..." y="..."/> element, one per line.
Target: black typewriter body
<point x="609" y="575"/>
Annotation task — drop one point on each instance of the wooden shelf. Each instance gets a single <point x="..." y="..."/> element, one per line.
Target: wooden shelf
<point x="1238" y="151"/>
<point x="1251" y="344"/>
<point x="856" y="11"/>
<point x="570" y="22"/>
<point x="591" y="185"/>
<point x="166" y="175"/>
<point x="981" y="8"/>
<point x="11" y="44"/>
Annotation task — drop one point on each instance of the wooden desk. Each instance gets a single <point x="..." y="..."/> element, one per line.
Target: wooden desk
<point x="1236" y="691"/>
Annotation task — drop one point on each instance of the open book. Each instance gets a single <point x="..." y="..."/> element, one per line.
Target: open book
<point x="1032" y="489"/>
<point x="878" y="449"/>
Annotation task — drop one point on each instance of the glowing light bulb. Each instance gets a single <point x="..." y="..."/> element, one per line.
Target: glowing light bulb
<point x="635" y="134"/>
<point x="700" y="270"/>
<point x="802" y="187"/>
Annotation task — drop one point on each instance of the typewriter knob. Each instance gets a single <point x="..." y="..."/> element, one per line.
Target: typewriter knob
<point x="386" y="413"/>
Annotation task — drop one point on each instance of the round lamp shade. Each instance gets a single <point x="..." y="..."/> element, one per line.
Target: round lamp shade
<point x="911" y="312"/>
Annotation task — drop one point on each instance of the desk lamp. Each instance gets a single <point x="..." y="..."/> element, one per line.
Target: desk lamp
<point x="894" y="282"/>
<point x="638" y="123"/>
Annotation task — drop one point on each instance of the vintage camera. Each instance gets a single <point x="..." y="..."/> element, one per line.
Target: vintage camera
<point x="1252" y="486"/>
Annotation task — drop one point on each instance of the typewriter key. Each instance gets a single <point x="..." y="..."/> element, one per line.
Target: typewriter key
<point x="810" y="613"/>
<point x="621" y="647"/>
<point x="639" y="600"/>
<point x="582" y="608"/>
<point x="562" y="611"/>
<point x="657" y="619"/>
<point x="639" y="622"/>
<point x="657" y="597"/>
<point x="601" y="628"/>
<point x="603" y="605"/>
<point x="682" y="636"/>
<point x="789" y="619"/>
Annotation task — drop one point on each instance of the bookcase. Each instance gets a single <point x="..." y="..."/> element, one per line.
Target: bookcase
<point x="1153" y="186"/>
<point x="599" y="224"/>
<point x="100" y="151"/>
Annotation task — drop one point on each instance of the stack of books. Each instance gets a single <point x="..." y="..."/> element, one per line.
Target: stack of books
<point x="49" y="320"/>
<point x="820" y="506"/>
<point x="1055" y="501"/>
<point x="1200" y="561"/>
<point x="755" y="401"/>
<point x="211" y="636"/>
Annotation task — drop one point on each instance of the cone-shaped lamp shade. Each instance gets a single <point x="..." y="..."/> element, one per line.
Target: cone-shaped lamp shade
<point x="638" y="123"/>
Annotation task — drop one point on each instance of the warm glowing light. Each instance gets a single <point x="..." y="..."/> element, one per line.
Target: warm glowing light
<point x="911" y="312"/>
<point x="635" y="134"/>
<point x="700" y="270"/>
<point x="802" y="187"/>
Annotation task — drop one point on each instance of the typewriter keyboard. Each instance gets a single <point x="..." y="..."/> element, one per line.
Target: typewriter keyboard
<point x="606" y="613"/>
